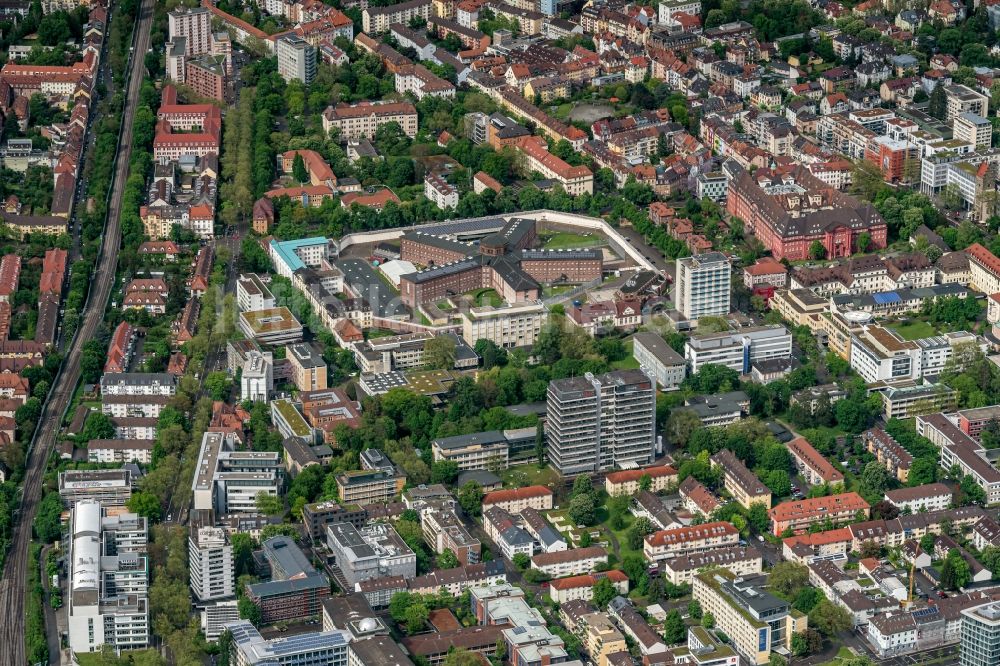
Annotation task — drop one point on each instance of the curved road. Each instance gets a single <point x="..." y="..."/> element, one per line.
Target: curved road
<point x="12" y="588"/>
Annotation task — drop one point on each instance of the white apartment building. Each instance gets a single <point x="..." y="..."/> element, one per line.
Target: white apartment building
<point x="574" y="562"/>
<point x="252" y="294"/>
<point x="210" y="561"/>
<point x="440" y="192"/>
<point x="653" y="353"/>
<point x="194" y="24"/>
<point x="880" y="354"/>
<point x="477" y="451"/>
<point x="257" y="378"/>
<point x="963" y="99"/>
<point x="974" y="129"/>
<point x="109" y="577"/>
<point x="138" y="383"/>
<point x="891" y="634"/>
<point x="362" y="120"/>
<point x="296" y="58"/>
<point x="375" y="20"/>
<point x="669" y="8"/>
<point x="109" y="451"/>
<point x="958" y="448"/>
<point x="928" y="497"/>
<point x="740" y="349"/>
<point x="508" y="326"/>
<point x="703" y="285"/>
<point x="665" y="544"/>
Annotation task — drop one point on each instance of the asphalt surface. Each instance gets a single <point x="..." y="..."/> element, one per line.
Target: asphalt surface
<point x="12" y="585"/>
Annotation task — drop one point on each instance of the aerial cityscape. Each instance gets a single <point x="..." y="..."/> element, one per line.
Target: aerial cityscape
<point x="499" y="333"/>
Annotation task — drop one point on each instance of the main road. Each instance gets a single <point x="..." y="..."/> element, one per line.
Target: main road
<point x="12" y="585"/>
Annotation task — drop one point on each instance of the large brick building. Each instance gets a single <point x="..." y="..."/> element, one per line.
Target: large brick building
<point x="788" y="209"/>
<point x="502" y="261"/>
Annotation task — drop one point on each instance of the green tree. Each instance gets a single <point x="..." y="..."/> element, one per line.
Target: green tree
<point x="269" y="505"/>
<point x="444" y="471"/>
<point x="470" y="498"/>
<point x="829" y="618"/>
<point x="416" y="618"/>
<point x="645" y="482"/>
<point x="299" y="171"/>
<point x="788" y="578"/>
<point x="582" y="510"/>
<point x="604" y="592"/>
<point x="98" y="426"/>
<point x="218" y="385"/>
<point x="937" y="106"/>
<point x="955" y="572"/>
<point x="694" y="609"/>
<point x="582" y="485"/>
<point x="817" y="250"/>
<point x="521" y="560"/>
<point x="708" y="621"/>
<point x="146" y="505"/>
<point x="447" y="560"/>
<point x="874" y="481"/>
<point x="439" y="353"/>
<point x="249" y="611"/>
<point x="777" y="660"/>
<point x="674" y="629"/>
<point x="864" y="241"/>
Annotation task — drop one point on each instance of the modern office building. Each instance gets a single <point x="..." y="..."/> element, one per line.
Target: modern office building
<point x="702" y="285"/>
<point x="755" y="620"/>
<point x="881" y="354"/>
<point x="210" y="561"/>
<point x="228" y="481"/>
<point x="601" y="422"/>
<point x="109" y="580"/>
<point x="296" y="58"/>
<point x="479" y="451"/>
<point x="110" y="487"/>
<point x="257" y="378"/>
<point x="374" y="551"/>
<point x="329" y="648"/>
<point x="308" y="367"/>
<point x="296" y="590"/>
<point x="738" y="350"/>
<point x="652" y="352"/>
<point x="980" y="635"/>
<point x="369" y="486"/>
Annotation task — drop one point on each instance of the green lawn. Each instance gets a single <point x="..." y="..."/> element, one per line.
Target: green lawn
<point x="629" y="362"/>
<point x="529" y="475"/>
<point x="483" y="297"/>
<point x="563" y="240"/>
<point x="842" y="654"/>
<point x="914" y="329"/>
<point x="556" y="289"/>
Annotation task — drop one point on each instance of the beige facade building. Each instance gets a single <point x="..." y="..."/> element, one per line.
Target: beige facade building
<point x="601" y="638"/>
<point x="509" y="326"/>
<point x="362" y="120"/>
<point x="754" y="620"/>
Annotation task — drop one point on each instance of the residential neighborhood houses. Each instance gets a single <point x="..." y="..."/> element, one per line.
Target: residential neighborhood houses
<point x="519" y="333"/>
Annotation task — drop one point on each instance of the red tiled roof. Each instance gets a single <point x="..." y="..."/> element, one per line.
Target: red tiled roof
<point x="819" y="506"/>
<point x="691" y="533"/>
<point x="628" y="475"/>
<point x="984" y="258"/>
<point x="587" y="580"/>
<point x="515" y="494"/>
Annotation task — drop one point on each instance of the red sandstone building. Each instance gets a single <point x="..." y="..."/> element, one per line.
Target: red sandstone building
<point x="788" y="209"/>
<point x="502" y="261"/>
